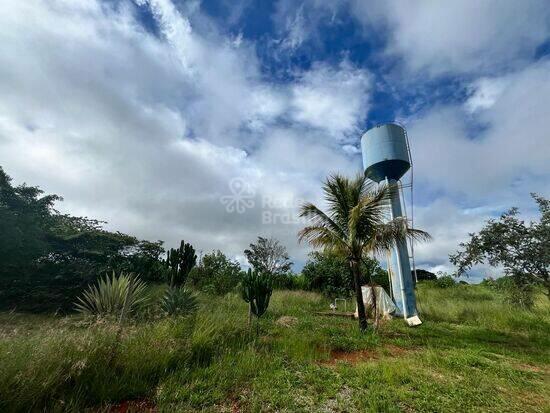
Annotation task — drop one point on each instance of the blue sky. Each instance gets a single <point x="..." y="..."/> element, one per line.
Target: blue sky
<point x="146" y="113"/>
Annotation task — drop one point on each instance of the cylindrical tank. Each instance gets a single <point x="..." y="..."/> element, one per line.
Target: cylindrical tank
<point x="386" y="158"/>
<point x="385" y="153"/>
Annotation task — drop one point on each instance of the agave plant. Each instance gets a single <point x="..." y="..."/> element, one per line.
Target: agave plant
<point x="118" y="295"/>
<point x="179" y="301"/>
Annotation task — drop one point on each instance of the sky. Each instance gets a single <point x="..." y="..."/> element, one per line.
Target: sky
<point x="212" y="121"/>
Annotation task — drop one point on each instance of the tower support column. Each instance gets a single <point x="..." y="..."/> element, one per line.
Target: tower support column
<point x="401" y="277"/>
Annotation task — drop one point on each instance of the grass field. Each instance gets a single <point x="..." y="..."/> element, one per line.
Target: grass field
<point x="473" y="353"/>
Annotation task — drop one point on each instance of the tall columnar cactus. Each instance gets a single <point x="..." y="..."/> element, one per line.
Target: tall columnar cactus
<point x="180" y="262"/>
<point x="256" y="289"/>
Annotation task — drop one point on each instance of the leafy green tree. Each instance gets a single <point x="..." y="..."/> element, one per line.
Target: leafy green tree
<point x="216" y="274"/>
<point x="26" y="216"/>
<point x="48" y="257"/>
<point x="355" y="225"/>
<point x="269" y="256"/>
<point x="522" y="249"/>
<point x="330" y="274"/>
<point x="145" y="259"/>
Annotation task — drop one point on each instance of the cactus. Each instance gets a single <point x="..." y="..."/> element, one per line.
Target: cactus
<point x="256" y="289"/>
<point x="179" y="263"/>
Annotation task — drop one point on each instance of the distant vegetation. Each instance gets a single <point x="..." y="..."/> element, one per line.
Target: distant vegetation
<point x="522" y="249"/>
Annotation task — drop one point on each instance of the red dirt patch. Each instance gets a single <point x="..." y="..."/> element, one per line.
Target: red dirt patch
<point x="358" y="356"/>
<point x="134" y="406"/>
<point x="531" y="368"/>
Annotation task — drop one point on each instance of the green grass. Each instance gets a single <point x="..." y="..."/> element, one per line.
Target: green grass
<point x="473" y="353"/>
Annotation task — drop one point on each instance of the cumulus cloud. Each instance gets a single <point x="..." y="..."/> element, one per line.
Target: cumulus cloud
<point x="502" y="155"/>
<point x="332" y="99"/>
<point x="458" y="36"/>
<point x="147" y="132"/>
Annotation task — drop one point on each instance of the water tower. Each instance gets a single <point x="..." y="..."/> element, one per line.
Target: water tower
<point x="386" y="159"/>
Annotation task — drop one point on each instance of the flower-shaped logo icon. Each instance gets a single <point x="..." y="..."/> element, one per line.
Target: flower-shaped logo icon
<point x="241" y="198"/>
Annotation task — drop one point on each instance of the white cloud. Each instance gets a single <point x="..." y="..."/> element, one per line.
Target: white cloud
<point x="503" y="157"/>
<point x="147" y="132"/>
<point x="459" y="36"/>
<point x="477" y="173"/>
<point x="331" y="99"/>
<point x="485" y="93"/>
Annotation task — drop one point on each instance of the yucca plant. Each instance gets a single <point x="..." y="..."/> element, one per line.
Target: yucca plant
<point x="179" y="301"/>
<point x="118" y="295"/>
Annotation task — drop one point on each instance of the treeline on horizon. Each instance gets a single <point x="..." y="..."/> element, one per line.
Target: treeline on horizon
<point x="49" y="258"/>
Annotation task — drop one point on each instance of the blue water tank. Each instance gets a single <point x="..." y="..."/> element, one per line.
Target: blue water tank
<point x="385" y="152"/>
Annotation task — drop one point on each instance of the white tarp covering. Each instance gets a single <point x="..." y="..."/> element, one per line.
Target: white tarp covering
<point x="384" y="303"/>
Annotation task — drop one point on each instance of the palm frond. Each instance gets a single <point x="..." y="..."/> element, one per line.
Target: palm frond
<point x="374" y="209"/>
<point x="394" y="231"/>
<point x="319" y="236"/>
<point x="319" y="218"/>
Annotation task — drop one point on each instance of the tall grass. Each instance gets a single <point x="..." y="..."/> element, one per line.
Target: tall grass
<point x="473" y="352"/>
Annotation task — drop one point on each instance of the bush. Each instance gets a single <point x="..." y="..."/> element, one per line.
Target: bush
<point x="330" y="274"/>
<point x="216" y="274"/>
<point x="179" y="301"/>
<point x="518" y="294"/>
<point x="445" y="281"/>
<point x="289" y="281"/>
<point x="113" y="295"/>
<point x="424" y="275"/>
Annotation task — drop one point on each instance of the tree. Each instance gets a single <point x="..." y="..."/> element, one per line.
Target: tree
<point x="522" y="249"/>
<point x="329" y="273"/>
<point x="145" y="259"/>
<point x="424" y="275"/>
<point x="355" y="225"/>
<point x="268" y="256"/>
<point x="216" y="273"/>
<point x="48" y="257"/>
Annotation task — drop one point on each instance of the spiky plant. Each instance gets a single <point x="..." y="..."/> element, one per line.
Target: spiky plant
<point x="356" y="224"/>
<point x="118" y="295"/>
<point x="256" y="290"/>
<point x="180" y="262"/>
<point x="179" y="301"/>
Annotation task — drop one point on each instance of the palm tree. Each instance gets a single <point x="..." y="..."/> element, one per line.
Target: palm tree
<point x="356" y="224"/>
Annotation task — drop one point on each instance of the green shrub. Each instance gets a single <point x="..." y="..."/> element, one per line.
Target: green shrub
<point x="289" y="281"/>
<point x="330" y="274"/>
<point x="179" y="301"/>
<point x="113" y="294"/>
<point x="445" y="281"/>
<point x="216" y="274"/>
<point x="520" y="294"/>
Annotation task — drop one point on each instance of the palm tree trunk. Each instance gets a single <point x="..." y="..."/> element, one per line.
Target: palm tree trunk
<point x="362" y="315"/>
